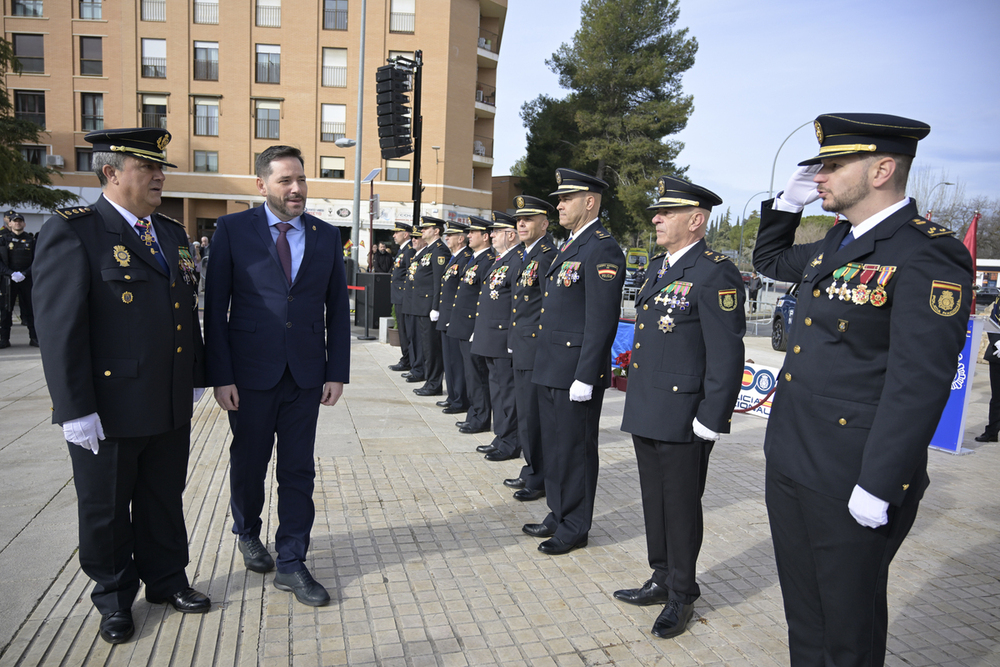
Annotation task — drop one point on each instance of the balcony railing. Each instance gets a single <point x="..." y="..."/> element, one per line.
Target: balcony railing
<point x="154" y="10"/>
<point x="332" y="131"/>
<point x="154" y="68"/>
<point x="486" y="94"/>
<point x="206" y="126"/>
<point x="154" y="120"/>
<point x="90" y="10"/>
<point x="36" y="118"/>
<point x="27" y="7"/>
<point x="335" y="19"/>
<point x="482" y="146"/>
<point x="399" y="22"/>
<point x="335" y="77"/>
<point x="268" y="17"/>
<point x="91" y="122"/>
<point x="489" y="41"/>
<point x="267" y="128"/>
<point x="268" y="72"/>
<point x="206" y="70"/>
<point x="206" y="12"/>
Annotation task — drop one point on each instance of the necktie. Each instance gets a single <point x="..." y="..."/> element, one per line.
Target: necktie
<point x="284" y="250"/>
<point x="154" y="248"/>
<point x="663" y="269"/>
<point x="847" y="239"/>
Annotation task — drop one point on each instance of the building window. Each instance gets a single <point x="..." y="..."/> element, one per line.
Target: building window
<point x="397" y="170"/>
<point x="27" y="7"/>
<point x="206" y="161"/>
<point x="154" y="10"/>
<point x="30" y="106"/>
<point x="334" y="122"/>
<point x="335" y="68"/>
<point x="268" y="119"/>
<point x="90" y="9"/>
<point x="206" y="11"/>
<point x="34" y="155"/>
<point x="154" y="58"/>
<point x="206" y="116"/>
<point x="92" y="106"/>
<point x="335" y="15"/>
<point x="154" y="111"/>
<point x="268" y="63"/>
<point x="30" y="50"/>
<point x="84" y="159"/>
<point x="331" y="167"/>
<point x="268" y="13"/>
<point x="401" y="16"/>
<point x="206" y="61"/>
<point x="91" y="57"/>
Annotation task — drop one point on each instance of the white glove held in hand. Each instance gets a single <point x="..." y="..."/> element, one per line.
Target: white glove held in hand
<point x="866" y="509"/>
<point x="800" y="190"/>
<point x="996" y="347"/>
<point x="435" y="315"/>
<point x="85" y="431"/>
<point x="703" y="431"/>
<point x="578" y="391"/>
<point x="17" y="277"/>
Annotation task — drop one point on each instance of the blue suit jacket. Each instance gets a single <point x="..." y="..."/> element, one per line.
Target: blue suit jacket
<point x="271" y="325"/>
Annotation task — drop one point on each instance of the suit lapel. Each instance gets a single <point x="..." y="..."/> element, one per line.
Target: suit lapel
<point x="571" y="251"/>
<point x="310" y="231"/>
<point x="114" y="223"/>
<point x="675" y="271"/>
<point x="834" y="258"/>
<point x="259" y="222"/>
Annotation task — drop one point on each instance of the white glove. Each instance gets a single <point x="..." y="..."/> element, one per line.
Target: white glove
<point x="17" y="276"/>
<point x="198" y="393"/>
<point x="703" y="431"/>
<point x="800" y="190"/>
<point x="996" y="346"/>
<point x="471" y="336"/>
<point x="85" y="431"/>
<point x="866" y="509"/>
<point x="435" y="314"/>
<point x="580" y="392"/>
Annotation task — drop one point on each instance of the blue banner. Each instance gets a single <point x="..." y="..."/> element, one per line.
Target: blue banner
<point x="951" y="429"/>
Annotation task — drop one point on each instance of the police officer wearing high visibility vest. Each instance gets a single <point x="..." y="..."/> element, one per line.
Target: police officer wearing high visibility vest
<point x="882" y="313"/>
<point x="17" y="251"/>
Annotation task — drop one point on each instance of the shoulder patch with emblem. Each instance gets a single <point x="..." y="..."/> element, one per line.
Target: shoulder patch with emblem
<point x="441" y="260"/>
<point x="929" y="228"/>
<point x="74" y="212"/>
<point x="946" y="298"/>
<point x="607" y="271"/>
<point x="727" y="299"/>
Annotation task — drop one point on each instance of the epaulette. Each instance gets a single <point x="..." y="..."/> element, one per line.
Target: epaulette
<point x="546" y="248"/>
<point x="715" y="256"/>
<point x="929" y="228"/>
<point x="601" y="234"/>
<point x="167" y="218"/>
<point x="655" y="257"/>
<point x="74" y="212"/>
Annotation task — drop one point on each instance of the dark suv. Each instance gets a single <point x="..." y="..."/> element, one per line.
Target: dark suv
<point x="784" y="315"/>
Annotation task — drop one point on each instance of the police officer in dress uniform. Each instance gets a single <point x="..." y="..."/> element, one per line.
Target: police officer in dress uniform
<point x="400" y="267"/>
<point x="490" y="339"/>
<point x="17" y="251"/>
<point x="883" y="308"/>
<point x="410" y="309"/>
<point x="427" y="302"/>
<point x="992" y="357"/>
<point x="121" y="345"/>
<point x="457" y="400"/>
<point x="684" y="378"/>
<point x="582" y="302"/>
<point x="463" y="323"/>
<point x="537" y="250"/>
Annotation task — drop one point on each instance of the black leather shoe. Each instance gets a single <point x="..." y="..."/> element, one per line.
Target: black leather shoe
<point x="405" y="375"/>
<point x="986" y="437"/>
<point x="424" y="391"/>
<point x="514" y="483"/>
<point x="416" y="379"/>
<point x="529" y="494"/>
<point x="454" y="411"/>
<point x="556" y="547"/>
<point x="650" y="593"/>
<point x="255" y="555"/>
<point x="497" y="455"/>
<point x="673" y="620"/>
<point x="32" y="342"/>
<point x="486" y="449"/>
<point x="443" y="404"/>
<point x="399" y="367"/>
<point x="306" y="589"/>
<point x="537" y="530"/>
<point x="117" y="627"/>
<point x="470" y="429"/>
<point x="187" y="601"/>
<point x="461" y="424"/>
<point x="4" y="343"/>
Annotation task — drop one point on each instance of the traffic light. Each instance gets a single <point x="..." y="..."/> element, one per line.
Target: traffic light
<point x="394" y="136"/>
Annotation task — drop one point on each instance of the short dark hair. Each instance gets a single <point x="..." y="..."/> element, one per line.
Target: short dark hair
<point x="902" y="173"/>
<point x="262" y="166"/>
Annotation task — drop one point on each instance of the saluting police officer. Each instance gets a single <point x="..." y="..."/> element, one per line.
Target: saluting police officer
<point x="17" y="251"/>
<point x="684" y="377"/>
<point x="457" y="400"/>
<point x="400" y="270"/>
<point x="490" y="341"/>
<point x="427" y="302"/>
<point x="537" y="250"/>
<point x="122" y="351"/>
<point x="463" y="323"/>
<point x="582" y="302"/>
<point x="881" y="319"/>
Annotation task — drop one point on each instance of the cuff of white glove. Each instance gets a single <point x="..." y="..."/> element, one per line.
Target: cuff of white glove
<point x="782" y="205"/>
<point x="996" y="346"/>
<point x="703" y="431"/>
<point x="868" y="510"/>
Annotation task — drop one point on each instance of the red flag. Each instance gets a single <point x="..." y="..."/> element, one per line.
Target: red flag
<point x="970" y="241"/>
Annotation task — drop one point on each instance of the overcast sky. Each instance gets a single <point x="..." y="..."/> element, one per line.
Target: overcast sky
<point x="767" y="67"/>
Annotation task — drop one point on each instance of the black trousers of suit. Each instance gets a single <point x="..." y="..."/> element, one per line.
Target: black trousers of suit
<point x="993" y="425"/>
<point x="131" y="515"/>
<point x="501" y="378"/>
<point x="569" y="434"/>
<point x="404" y="338"/>
<point x="833" y="573"/>
<point x="416" y="349"/>
<point x="672" y="478"/>
<point x="21" y="292"/>
<point x="529" y="430"/>
<point x="430" y="343"/>
<point x="477" y="383"/>
<point x="290" y="412"/>
<point x="454" y="372"/>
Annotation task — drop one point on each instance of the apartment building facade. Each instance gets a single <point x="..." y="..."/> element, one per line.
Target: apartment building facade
<point x="227" y="78"/>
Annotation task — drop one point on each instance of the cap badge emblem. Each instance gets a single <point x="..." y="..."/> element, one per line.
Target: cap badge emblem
<point x="819" y="131"/>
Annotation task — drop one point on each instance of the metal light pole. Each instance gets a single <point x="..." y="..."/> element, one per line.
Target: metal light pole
<point x="356" y="222"/>
<point x="743" y="221"/>
<point x="930" y="211"/>
<point x="770" y="190"/>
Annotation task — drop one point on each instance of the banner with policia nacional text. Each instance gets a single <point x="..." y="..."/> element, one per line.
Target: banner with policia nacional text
<point x="951" y="429"/>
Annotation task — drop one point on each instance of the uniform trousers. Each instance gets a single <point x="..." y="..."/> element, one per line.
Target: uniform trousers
<point x="993" y="426"/>
<point x="477" y="383"/>
<point x="131" y="515"/>
<point x="833" y="572"/>
<point x="501" y="379"/>
<point x="454" y="372"/>
<point x="529" y="430"/>
<point x="430" y="343"/>
<point x="290" y="412"/>
<point x="416" y="349"/>
<point x="569" y="436"/>
<point x="404" y="338"/>
<point x="22" y="293"/>
<point x="672" y="478"/>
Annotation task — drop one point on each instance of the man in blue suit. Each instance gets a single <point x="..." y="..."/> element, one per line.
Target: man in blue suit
<point x="283" y="350"/>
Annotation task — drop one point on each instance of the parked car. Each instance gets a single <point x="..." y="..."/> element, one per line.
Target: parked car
<point x="985" y="296"/>
<point x="784" y="316"/>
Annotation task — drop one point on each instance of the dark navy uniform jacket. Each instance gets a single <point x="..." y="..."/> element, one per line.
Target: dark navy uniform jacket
<point x="493" y="308"/>
<point x="453" y="272"/>
<point x="400" y="268"/>
<point x="687" y="356"/>
<point x="868" y="371"/>
<point x="526" y="310"/>
<point x="426" y="287"/>
<point x="463" y="313"/>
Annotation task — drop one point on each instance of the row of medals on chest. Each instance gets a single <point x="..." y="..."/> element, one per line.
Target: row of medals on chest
<point x="860" y="294"/>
